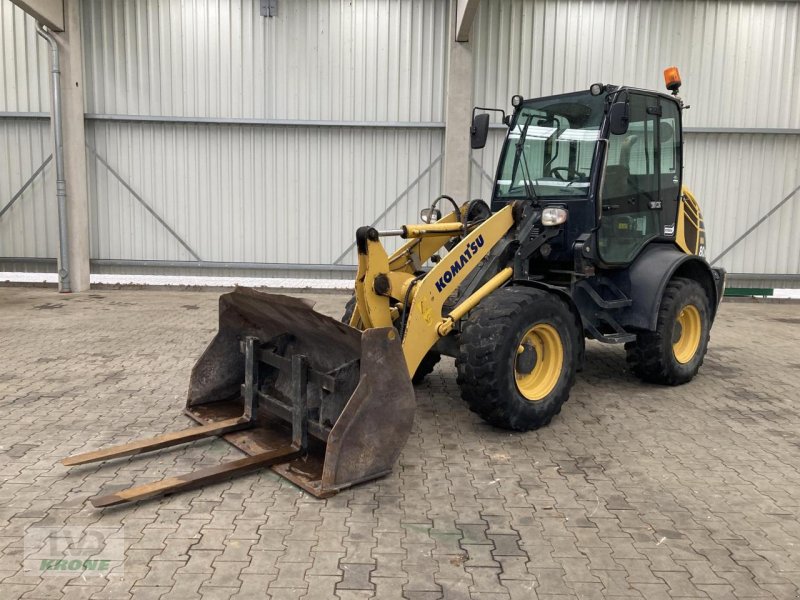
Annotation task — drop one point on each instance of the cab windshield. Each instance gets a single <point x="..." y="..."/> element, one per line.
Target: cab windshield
<point x="550" y="147"/>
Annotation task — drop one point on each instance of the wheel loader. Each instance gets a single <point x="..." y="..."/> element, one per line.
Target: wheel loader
<point x="589" y="233"/>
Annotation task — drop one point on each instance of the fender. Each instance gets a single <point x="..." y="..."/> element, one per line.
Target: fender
<point x="564" y="295"/>
<point x="647" y="277"/>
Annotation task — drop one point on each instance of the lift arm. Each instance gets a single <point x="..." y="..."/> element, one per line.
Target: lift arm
<point x="385" y="285"/>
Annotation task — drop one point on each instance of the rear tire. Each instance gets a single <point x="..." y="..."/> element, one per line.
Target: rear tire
<point x="518" y="355"/>
<point x="673" y="353"/>
<point x="425" y="367"/>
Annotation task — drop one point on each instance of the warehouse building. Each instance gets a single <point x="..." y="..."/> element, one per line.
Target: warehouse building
<point x="242" y="137"/>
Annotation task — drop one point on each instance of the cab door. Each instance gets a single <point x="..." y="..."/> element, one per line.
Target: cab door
<point x="641" y="181"/>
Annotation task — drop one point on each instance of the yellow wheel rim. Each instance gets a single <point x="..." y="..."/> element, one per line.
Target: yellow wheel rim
<point x="685" y="346"/>
<point x="536" y="383"/>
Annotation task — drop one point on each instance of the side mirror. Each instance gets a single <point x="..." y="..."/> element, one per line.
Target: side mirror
<point x="618" y="118"/>
<point x="479" y="131"/>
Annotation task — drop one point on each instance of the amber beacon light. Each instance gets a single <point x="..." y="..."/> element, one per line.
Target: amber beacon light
<point x="672" y="79"/>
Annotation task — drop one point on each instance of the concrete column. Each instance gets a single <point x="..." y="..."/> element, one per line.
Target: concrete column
<point x="458" y="114"/>
<point x="71" y="47"/>
<point x="458" y="108"/>
<point x="62" y="19"/>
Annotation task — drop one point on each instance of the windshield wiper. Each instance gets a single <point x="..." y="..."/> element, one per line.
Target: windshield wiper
<point x="520" y="159"/>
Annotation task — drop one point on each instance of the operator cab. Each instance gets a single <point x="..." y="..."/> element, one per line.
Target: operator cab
<point x="610" y="157"/>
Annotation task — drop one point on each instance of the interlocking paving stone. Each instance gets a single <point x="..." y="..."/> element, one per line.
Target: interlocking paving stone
<point x="291" y="575"/>
<point x="356" y="577"/>
<point x="632" y="491"/>
<point x="218" y="593"/>
<point x="321" y="587"/>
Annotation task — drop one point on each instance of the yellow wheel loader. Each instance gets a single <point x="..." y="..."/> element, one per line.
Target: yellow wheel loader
<point x="589" y="234"/>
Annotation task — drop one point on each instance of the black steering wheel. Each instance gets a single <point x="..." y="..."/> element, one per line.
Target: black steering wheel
<point x="554" y="172"/>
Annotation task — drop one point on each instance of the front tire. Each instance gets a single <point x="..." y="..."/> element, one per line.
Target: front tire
<point x="426" y="366"/>
<point x="673" y="353"/>
<point x="348" y="310"/>
<point x="517" y="359"/>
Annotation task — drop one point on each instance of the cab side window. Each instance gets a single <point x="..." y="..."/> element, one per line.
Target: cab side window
<point x="669" y="141"/>
<point x="630" y="193"/>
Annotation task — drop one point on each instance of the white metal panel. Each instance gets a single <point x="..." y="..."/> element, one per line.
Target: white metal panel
<point x="738" y="179"/>
<point x="740" y="63"/>
<point x="29" y="227"/>
<point x="377" y="60"/>
<point x="739" y="60"/>
<point x="251" y="193"/>
<point x="23" y="63"/>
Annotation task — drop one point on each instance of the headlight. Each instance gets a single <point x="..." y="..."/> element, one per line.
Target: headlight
<point x="554" y="216"/>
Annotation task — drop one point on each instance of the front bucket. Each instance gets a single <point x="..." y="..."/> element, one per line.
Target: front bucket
<point x="353" y="401"/>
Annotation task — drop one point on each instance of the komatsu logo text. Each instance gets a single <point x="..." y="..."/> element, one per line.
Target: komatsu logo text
<point x="459" y="263"/>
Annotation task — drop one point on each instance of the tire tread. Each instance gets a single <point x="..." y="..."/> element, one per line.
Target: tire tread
<point x="645" y="357"/>
<point x="478" y="376"/>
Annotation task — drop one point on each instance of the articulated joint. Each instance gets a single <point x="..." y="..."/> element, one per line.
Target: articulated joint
<point x="363" y="234"/>
<point x="381" y="285"/>
<point x="446" y="326"/>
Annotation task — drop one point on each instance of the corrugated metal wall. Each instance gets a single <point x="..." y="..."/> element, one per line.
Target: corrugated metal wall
<point x="740" y="63"/>
<point x="740" y="60"/>
<point x="259" y="140"/>
<point x="244" y="193"/>
<point x="319" y="59"/>
<point x="261" y="193"/>
<point x="188" y="102"/>
<point x="23" y="64"/>
<point x="29" y="226"/>
<point x="739" y="178"/>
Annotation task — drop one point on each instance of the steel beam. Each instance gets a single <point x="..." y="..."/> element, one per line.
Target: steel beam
<point x="25" y="185"/>
<point x="46" y="12"/>
<point x="188" y="264"/>
<point x="142" y="201"/>
<point x="402" y="195"/>
<point x="465" y="16"/>
<point x="350" y="124"/>
<point x="755" y="225"/>
<point x="267" y="122"/>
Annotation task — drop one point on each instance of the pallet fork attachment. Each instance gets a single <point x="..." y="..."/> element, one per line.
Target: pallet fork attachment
<point x="323" y="404"/>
